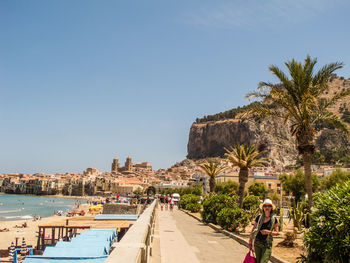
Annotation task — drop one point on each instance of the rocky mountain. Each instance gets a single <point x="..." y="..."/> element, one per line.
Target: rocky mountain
<point x="210" y="135"/>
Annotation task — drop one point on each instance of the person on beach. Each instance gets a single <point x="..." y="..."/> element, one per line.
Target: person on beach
<point x="265" y="227"/>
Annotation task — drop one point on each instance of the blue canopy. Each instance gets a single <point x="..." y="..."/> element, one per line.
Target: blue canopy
<point x="99" y="234"/>
<point x="40" y="259"/>
<point x="116" y="217"/>
<point x="112" y="231"/>
<point x="104" y="244"/>
<point x="75" y="252"/>
<point x="91" y="246"/>
<point x="91" y="239"/>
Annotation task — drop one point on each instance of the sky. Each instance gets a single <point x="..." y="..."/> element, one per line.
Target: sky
<point x="84" y="81"/>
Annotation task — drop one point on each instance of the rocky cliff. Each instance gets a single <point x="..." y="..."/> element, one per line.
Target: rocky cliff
<point x="210" y="138"/>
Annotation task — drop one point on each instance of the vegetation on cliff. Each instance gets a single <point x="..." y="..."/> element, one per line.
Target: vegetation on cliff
<point x="230" y="114"/>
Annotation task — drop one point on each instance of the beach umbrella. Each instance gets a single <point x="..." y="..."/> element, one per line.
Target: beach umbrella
<point x="23" y="247"/>
<point x="96" y="207"/>
<point x="12" y="251"/>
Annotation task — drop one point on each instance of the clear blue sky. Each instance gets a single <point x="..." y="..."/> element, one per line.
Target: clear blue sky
<point x="83" y="81"/>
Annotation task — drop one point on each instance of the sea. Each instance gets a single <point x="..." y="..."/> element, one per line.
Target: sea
<point x="18" y="207"/>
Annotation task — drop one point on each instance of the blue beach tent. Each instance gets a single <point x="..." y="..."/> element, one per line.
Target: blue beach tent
<point x="115" y="217"/>
<point x="112" y="232"/>
<point x="92" y="239"/>
<point x="40" y="259"/>
<point x="74" y="252"/>
<point x="101" y="235"/>
<point x="105" y="245"/>
<point x="91" y="246"/>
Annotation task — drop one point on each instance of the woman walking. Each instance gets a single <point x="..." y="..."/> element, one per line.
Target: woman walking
<point x="265" y="227"/>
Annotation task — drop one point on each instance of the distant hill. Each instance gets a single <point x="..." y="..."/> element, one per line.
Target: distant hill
<point x="211" y="134"/>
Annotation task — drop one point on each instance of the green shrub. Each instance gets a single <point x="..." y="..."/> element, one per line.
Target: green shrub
<point x="257" y="189"/>
<point x="298" y="213"/>
<point x="194" y="207"/>
<point x="251" y="202"/>
<point x="227" y="188"/>
<point x="213" y="205"/>
<point x="232" y="218"/>
<point x="281" y="219"/>
<point x="328" y="239"/>
<point x="295" y="184"/>
<point x="336" y="177"/>
<point x="188" y="199"/>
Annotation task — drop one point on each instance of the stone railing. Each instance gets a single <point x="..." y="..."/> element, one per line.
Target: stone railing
<point x="135" y="246"/>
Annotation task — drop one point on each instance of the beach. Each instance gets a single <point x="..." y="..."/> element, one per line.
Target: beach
<point x="29" y="232"/>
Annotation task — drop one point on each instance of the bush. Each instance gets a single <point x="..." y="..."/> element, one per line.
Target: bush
<point x="251" y="202"/>
<point x="295" y="184"/>
<point x="337" y="177"/>
<point x="188" y="199"/>
<point x="328" y="239"/>
<point x="213" y="205"/>
<point x="232" y="218"/>
<point x="194" y="207"/>
<point x="227" y="188"/>
<point x="257" y="189"/>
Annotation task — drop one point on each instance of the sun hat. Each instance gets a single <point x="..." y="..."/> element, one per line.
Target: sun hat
<point x="267" y="202"/>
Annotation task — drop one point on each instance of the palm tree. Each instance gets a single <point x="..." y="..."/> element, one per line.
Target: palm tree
<point x="212" y="169"/>
<point x="298" y="100"/>
<point x="245" y="157"/>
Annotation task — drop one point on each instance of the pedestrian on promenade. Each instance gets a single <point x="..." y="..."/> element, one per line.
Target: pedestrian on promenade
<point x="265" y="227"/>
<point x="166" y="202"/>
<point x="171" y="202"/>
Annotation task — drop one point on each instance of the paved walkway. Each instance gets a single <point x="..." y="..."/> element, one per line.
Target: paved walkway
<point x="183" y="239"/>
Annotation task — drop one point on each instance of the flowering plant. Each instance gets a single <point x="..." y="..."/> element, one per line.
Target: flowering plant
<point x="328" y="238"/>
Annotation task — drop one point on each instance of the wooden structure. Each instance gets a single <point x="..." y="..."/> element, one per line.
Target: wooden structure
<point x="49" y="234"/>
<point x="63" y="232"/>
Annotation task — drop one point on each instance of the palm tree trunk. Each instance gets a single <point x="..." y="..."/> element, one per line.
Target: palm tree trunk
<point x="212" y="183"/>
<point x="307" y="156"/>
<point x="243" y="179"/>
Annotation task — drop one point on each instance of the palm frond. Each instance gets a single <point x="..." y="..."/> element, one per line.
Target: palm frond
<point x="336" y="98"/>
<point x="320" y="79"/>
<point x="212" y="168"/>
<point x="281" y="76"/>
<point x="255" y="94"/>
<point x="333" y="119"/>
<point x="244" y="156"/>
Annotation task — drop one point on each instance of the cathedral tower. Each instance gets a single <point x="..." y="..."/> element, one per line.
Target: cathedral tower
<point x="115" y="165"/>
<point x="128" y="164"/>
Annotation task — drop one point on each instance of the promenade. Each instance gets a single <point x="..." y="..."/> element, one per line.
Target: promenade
<point x="181" y="238"/>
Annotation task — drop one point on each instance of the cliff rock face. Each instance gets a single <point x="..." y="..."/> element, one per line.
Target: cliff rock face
<point x="210" y="139"/>
<point x="211" y="135"/>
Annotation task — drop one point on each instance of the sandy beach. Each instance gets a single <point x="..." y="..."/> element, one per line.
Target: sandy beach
<point x="29" y="232"/>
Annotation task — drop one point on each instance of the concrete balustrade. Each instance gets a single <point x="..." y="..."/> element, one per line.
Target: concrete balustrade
<point x="135" y="246"/>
